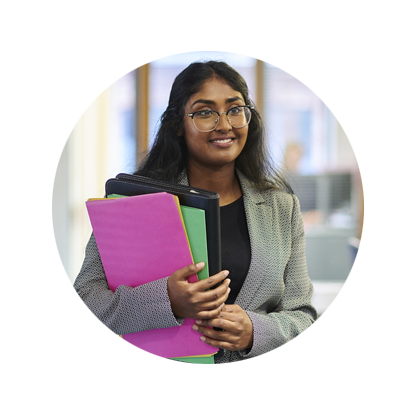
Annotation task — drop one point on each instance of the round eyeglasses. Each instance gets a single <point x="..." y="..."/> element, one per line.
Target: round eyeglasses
<point x="207" y="120"/>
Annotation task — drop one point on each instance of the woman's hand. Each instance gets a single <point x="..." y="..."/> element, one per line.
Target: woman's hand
<point x="237" y="329"/>
<point x="193" y="300"/>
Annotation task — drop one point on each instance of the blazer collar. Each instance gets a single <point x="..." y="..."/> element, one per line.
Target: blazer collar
<point x="183" y="179"/>
<point x="249" y="190"/>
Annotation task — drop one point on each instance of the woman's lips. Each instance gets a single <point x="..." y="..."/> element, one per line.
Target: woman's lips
<point x="226" y="142"/>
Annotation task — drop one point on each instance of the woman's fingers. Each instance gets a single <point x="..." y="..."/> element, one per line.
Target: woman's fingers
<point x="220" y="339"/>
<point x="209" y="305"/>
<point x="209" y="314"/>
<point x="197" y="300"/>
<point x="183" y="273"/>
<point x="214" y="298"/>
<point x="236" y="329"/>
<point x="211" y="281"/>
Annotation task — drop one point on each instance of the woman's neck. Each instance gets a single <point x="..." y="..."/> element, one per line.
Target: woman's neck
<point x="220" y="180"/>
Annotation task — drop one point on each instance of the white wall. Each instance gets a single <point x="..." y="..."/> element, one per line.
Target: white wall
<point x="80" y="134"/>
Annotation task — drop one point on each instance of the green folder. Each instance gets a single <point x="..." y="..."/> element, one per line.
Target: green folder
<point x="195" y="223"/>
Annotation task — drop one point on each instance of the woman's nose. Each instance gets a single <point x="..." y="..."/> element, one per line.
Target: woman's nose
<point x="223" y="124"/>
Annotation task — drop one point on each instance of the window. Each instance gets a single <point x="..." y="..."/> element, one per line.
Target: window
<point x="307" y="141"/>
<point x="294" y="109"/>
<point x="122" y="139"/>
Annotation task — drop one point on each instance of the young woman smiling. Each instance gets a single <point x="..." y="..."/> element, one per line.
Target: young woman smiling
<point x="212" y="137"/>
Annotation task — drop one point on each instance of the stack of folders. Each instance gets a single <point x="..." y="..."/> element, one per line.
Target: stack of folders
<point x="145" y="237"/>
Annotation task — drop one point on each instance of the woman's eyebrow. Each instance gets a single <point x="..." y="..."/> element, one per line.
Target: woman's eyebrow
<point x="212" y="102"/>
<point x="233" y="99"/>
<point x="203" y="101"/>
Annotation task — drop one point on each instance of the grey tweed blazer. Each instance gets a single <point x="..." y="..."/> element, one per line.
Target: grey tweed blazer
<point x="276" y="293"/>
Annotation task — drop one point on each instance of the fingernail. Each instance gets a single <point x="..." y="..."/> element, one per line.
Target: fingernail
<point x="226" y="273"/>
<point x="203" y="338"/>
<point x="198" y="321"/>
<point x="195" y="327"/>
<point x="200" y="265"/>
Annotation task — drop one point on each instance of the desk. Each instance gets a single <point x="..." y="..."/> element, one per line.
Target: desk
<point x="341" y="326"/>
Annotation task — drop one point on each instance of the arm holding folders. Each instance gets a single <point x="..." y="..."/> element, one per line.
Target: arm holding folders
<point x="127" y="309"/>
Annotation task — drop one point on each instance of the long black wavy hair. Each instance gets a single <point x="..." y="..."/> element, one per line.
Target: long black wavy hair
<point x="168" y="156"/>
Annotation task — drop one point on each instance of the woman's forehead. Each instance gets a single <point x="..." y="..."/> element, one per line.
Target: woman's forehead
<point x="215" y="90"/>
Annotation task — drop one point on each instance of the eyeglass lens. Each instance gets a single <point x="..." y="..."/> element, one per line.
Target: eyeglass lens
<point x="207" y="120"/>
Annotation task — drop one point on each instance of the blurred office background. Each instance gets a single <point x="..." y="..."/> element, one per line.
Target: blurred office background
<point x="305" y="139"/>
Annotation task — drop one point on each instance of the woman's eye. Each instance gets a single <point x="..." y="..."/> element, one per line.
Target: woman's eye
<point x="236" y="110"/>
<point x="204" y="113"/>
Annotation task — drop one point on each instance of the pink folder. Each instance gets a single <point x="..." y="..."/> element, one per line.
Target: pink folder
<point x="142" y="239"/>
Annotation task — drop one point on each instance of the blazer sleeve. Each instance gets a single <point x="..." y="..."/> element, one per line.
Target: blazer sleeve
<point x="294" y="312"/>
<point x="128" y="309"/>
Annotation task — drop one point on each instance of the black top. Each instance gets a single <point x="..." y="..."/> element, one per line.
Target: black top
<point x="235" y="246"/>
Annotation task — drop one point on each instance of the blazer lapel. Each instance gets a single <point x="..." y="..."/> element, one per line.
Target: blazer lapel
<point x="258" y="216"/>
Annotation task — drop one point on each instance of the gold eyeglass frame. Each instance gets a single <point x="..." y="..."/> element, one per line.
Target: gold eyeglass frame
<point x="191" y="115"/>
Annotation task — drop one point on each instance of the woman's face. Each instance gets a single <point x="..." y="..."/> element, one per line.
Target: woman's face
<point x="221" y="146"/>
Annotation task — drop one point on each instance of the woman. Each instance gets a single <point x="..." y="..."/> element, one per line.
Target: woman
<point x="212" y="137"/>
